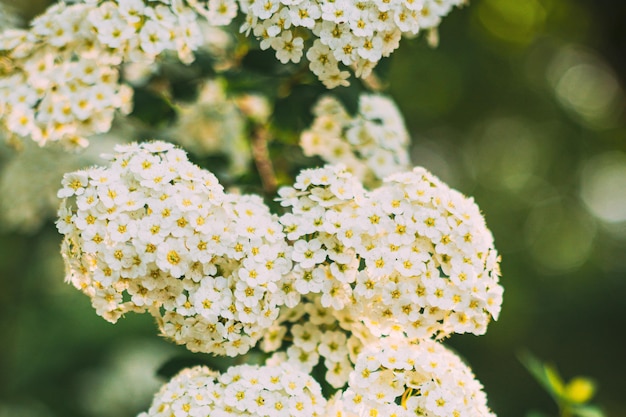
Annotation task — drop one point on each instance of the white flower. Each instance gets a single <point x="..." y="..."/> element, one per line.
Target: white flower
<point x="287" y="47"/>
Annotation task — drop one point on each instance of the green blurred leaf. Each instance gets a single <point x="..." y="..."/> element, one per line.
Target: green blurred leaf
<point x="151" y="108"/>
<point x="383" y="69"/>
<point x="293" y="112"/>
<point x="262" y="62"/>
<point x="536" y="369"/>
<point x="349" y="96"/>
<point x="588" y="411"/>
<point x="555" y="382"/>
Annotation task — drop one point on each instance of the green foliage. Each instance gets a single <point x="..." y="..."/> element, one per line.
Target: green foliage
<point x="572" y="397"/>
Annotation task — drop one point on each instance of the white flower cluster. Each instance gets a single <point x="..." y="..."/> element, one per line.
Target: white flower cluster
<point x="397" y="378"/>
<point x="153" y="232"/>
<point x="326" y="262"/>
<point x="141" y="31"/>
<point x="244" y="390"/>
<point x="314" y="333"/>
<point x="352" y="33"/>
<point x="412" y="257"/>
<point x="62" y="85"/>
<point x="372" y="145"/>
<point x="62" y="81"/>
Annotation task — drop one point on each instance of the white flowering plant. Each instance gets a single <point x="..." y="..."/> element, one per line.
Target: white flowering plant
<point x="318" y="253"/>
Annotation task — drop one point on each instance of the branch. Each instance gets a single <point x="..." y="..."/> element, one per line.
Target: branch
<point x="261" y="156"/>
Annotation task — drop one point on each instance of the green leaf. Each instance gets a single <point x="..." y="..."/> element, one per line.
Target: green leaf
<point x="293" y="112"/>
<point x="382" y="70"/>
<point x="556" y="384"/>
<point x="535" y="367"/>
<point x="151" y="108"/>
<point x="349" y="96"/>
<point x="588" y="411"/>
<point x="262" y="62"/>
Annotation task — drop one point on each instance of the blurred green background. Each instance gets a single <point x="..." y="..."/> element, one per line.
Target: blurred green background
<point x="522" y="106"/>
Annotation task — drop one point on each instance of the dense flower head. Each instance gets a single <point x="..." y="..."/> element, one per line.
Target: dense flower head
<point x="411" y="257"/>
<point x="61" y="83"/>
<point x="244" y="390"/>
<point x="333" y="34"/>
<point x="153" y="232"/>
<point x="66" y="65"/>
<point x="395" y="378"/>
<point x="372" y="144"/>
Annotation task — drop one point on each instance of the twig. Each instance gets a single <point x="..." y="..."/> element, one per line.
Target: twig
<point x="261" y="155"/>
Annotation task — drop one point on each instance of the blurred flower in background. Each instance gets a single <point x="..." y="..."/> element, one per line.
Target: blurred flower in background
<point x="603" y="191"/>
<point x="217" y="124"/>
<point x="30" y="177"/>
<point x="126" y="381"/>
<point x="8" y="17"/>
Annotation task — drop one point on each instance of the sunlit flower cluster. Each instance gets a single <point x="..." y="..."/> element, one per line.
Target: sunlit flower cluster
<point x="244" y="390"/>
<point x="396" y="378"/>
<point x="412" y="257"/>
<point x="371" y="144"/>
<point x="153" y="232"/>
<point x="61" y="82"/>
<point x="344" y="33"/>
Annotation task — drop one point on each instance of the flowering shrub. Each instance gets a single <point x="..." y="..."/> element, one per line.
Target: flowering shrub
<point x="370" y="263"/>
<point x="411" y="260"/>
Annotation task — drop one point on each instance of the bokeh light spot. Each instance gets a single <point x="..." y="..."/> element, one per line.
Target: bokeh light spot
<point x="603" y="186"/>
<point x="585" y="85"/>
<point x="512" y="21"/>
<point x="505" y="155"/>
<point x="560" y="236"/>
